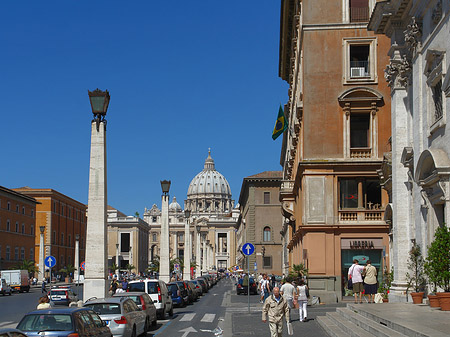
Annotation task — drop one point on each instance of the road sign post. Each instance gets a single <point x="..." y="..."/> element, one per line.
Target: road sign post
<point x="248" y="249"/>
<point x="50" y="262"/>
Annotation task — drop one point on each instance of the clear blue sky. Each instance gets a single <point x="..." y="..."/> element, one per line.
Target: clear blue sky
<point x="183" y="76"/>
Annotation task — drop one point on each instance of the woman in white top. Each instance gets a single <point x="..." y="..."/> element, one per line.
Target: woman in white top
<point x="302" y="300"/>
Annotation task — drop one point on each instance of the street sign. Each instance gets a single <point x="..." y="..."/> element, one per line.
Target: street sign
<point x="256" y="267"/>
<point x="176" y="267"/>
<point x="83" y="265"/>
<point x="50" y="261"/>
<point x="248" y="249"/>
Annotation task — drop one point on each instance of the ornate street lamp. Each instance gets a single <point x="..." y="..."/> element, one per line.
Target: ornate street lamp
<point x="41" y="275"/>
<point x="99" y="104"/>
<point x="187" y="247"/>
<point x="165" y="186"/>
<point x="164" y="257"/>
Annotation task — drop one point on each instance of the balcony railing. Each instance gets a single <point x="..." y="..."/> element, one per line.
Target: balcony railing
<point x="359" y="69"/>
<point x="359" y="14"/>
<point x="360" y="152"/>
<point x="361" y="215"/>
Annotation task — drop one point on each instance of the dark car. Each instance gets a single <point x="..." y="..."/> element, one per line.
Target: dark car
<point x="81" y="322"/>
<point x="241" y="289"/>
<point x="187" y="294"/>
<point x="196" y="287"/>
<point x="203" y="283"/>
<point x="177" y="292"/>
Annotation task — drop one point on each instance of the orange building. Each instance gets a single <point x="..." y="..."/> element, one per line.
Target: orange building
<point x="63" y="218"/>
<point x="17" y="228"/>
<point x="339" y="129"/>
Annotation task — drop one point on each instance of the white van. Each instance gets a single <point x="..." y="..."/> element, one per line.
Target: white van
<point x="158" y="292"/>
<point x="5" y="288"/>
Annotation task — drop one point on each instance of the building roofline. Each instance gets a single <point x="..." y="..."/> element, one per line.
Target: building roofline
<point x="18" y="194"/>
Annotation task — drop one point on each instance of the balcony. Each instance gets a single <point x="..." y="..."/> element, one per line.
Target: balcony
<point x="360" y="152"/>
<point x="359" y="14"/>
<point x="222" y="254"/>
<point x="361" y="215"/>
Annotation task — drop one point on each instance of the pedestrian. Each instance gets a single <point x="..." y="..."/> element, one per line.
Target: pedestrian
<point x="44" y="303"/>
<point x="302" y="298"/>
<point x="274" y="280"/>
<point x="275" y="307"/>
<point x="354" y="273"/>
<point x="113" y="287"/>
<point x="119" y="289"/>
<point x="43" y="289"/>
<point x="265" y="287"/>
<point x="370" y="281"/>
<point x="287" y="290"/>
<point x="124" y="284"/>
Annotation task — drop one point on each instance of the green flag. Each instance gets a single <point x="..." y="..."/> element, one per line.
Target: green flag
<point x="280" y="125"/>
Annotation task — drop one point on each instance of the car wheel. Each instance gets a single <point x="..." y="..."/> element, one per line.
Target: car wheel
<point x="171" y="311"/>
<point x="133" y="334"/>
<point x="163" y="314"/>
<point x="154" y="322"/>
<point x="146" y="326"/>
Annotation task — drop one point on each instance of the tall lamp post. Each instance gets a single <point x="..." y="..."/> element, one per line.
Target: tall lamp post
<point x="95" y="283"/>
<point x="164" y="272"/>
<point x="41" y="275"/>
<point x="117" y="261"/>
<point x="77" y="258"/>
<point x="187" y="247"/>
<point x="198" y="257"/>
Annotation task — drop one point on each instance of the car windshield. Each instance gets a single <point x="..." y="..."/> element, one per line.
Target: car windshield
<point x="46" y="322"/>
<point x="58" y="292"/>
<point x="172" y="288"/>
<point x="105" y="308"/>
<point x="136" y="299"/>
<point x="140" y="286"/>
<point x="241" y="281"/>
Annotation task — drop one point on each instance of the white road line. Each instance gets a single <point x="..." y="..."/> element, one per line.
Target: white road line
<point x="208" y="318"/>
<point x="187" y="317"/>
<point x="8" y="324"/>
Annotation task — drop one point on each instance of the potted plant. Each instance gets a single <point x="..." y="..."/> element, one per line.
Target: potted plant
<point x="385" y="285"/>
<point x="67" y="271"/>
<point x="415" y="277"/>
<point x="438" y="265"/>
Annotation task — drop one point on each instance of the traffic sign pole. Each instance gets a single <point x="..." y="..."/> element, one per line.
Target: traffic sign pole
<point x="248" y="276"/>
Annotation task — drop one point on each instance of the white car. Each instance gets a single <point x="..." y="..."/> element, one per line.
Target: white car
<point x="158" y="292"/>
<point x="5" y="288"/>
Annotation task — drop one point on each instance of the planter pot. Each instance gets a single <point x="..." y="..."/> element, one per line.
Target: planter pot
<point x="434" y="301"/>
<point x="444" y="301"/>
<point x="417" y="297"/>
<point x="385" y="300"/>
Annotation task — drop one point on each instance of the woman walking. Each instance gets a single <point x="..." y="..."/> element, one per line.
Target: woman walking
<point x="302" y="298"/>
<point x="370" y="281"/>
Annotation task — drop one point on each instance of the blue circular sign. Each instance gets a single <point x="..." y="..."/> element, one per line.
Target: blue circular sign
<point x="248" y="249"/>
<point x="50" y="261"/>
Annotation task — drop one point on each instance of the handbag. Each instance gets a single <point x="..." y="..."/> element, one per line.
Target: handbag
<point x="349" y="284"/>
<point x="307" y="292"/>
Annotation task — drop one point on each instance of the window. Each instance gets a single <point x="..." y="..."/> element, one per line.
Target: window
<point x="8" y="253"/>
<point x="32" y="229"/>
<point x="23" y="228"/>
<point x="434" y="72"/>
<point x="359" y="10"/>
<point x="8" y="225"/>
<point x="153" y="218"/>
<point x="8" y="207"/>
<point x="154" y="237"/>
<point x="54" y="206"/>
<point x="16" y="253"/>
<point x="266" y="198"/>
<point x="359" y="130"/>
<point x="22" y="253"/>
<point x="359" y="193"/>
<point x="266" y="234"/>
<point x="125" y="242"/>
<point x="69" y="241"/>
<point x="17" y="208"/>
<point x="62" y="210"/>
<point x="436" y="91"/>
<point x="360" y="60"/>
<point x="23" y="210"/>
<point x="32" y="213"/>
<point x="62" y="239"/>
<point x="31" y="254"/>
<point x="17" y="227"/>
<point x="180" y="237"/>
<point x="267" y="262"/>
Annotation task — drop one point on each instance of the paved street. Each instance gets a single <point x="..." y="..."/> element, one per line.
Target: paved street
<point x="219" y="309"/>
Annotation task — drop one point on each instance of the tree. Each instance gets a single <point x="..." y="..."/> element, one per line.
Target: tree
<point x="113" y="267"/>
<point x="67" y="270"/>
<point x="27" y="265"/>
<point x="130" y="267"/>
<point x="437" y="265"/>
<point x="136" y="214"/>
<point x="415" y="277"/>
<point x="154" y="266"/>
<point x="298" y="270"/>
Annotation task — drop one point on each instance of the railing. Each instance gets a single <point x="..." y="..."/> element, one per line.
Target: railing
<point x="359" y="69"/>
<point x="359" y="14"/>
<point x="360" y="152"/>
<point x="361" y="215"/>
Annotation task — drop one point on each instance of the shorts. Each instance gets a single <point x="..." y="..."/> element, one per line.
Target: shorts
<point x="370" y="289"/>
<point x="358" y="287"/>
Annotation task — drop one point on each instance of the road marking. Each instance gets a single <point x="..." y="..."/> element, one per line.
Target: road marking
<point x="208" y="318"/>
<point x="187" y="317"/>
<point x="8" y="324"/>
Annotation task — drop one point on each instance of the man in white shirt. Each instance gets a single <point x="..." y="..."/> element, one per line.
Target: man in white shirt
<point x="354" y="273"/>
<point x="287" y="290"/>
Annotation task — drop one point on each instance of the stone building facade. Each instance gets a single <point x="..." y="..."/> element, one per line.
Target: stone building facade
<point x="339" y="128"/>
<point x="260" y="223"/>
<point x="17" y="228"/>
<point x="419" y="78"/>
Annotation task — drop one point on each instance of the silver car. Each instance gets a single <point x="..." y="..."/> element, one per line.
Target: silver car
<point x="121" y="314"/>
<point x="144" y="302"/>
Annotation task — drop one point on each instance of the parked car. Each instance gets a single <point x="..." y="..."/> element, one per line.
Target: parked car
<point x="9" y="332"/>
<point x="5" y="288"/>
<point x="190" y="292"/>
<point x="158" y="292"/>
<point x="62" y="295"/>
<point x="144" y="302"/>
<point x="121" y="314"/>
<point x="196" y="290"/>
<point x="176" y="292"/>
<point x="199" y="286"/>
<point x="241" y="289"/>
<point x="203" y="283"/>
<point x="63" y="322"/>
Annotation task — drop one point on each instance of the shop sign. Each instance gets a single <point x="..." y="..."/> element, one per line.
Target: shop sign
<point x="369" y="243"/>
<point x="361" y="244"/>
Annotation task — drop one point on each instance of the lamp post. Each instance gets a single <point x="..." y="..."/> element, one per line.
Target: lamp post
<point x="95" y="283"/>
<point x="77" y="258"/>
<point x="198" y="260"/>
<point x="117" y="261"/>
<point x="41" y="275"/>
<point x="187" y="247"/>
<point x="164" y="263"/>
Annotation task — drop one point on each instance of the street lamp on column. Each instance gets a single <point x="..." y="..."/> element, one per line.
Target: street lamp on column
<point x="187" y="247"/>
<point x="164" y="272"/>
<point x="117" y="261"/>
<point x="77" y="258"/>
<point x="41" y="275"/>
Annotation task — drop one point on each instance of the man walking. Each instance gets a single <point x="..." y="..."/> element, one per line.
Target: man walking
<point x="287" y="290"/>
<point x="276" y="308"/>
<point x="354" y="273"/>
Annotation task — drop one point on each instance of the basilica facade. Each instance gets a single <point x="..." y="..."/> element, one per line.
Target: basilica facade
<point x="212" y="223"/>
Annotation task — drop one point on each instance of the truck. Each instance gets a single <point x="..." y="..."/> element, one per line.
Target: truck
<point x="17" y="279"/>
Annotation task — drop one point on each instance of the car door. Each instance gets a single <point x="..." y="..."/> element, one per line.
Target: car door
<point x="167" y="297"/>
<point x="140" y="316"/>
<point x="101" y="329"/>
<point x="89" y="325"/>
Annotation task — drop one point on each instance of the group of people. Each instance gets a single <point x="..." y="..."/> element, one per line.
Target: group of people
<point x="118" y="287"/>
<point x="363" y="278"/>
<point x="278" y="305"/>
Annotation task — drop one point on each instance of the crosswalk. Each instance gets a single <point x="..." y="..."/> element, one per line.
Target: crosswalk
<point x="206" y="318"/>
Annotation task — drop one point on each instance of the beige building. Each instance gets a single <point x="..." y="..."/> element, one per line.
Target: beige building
<point x="127" y="241"/>
<point x="260" y="223"/>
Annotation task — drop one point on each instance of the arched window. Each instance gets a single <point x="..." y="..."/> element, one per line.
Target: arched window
<point x="267" y="233"/>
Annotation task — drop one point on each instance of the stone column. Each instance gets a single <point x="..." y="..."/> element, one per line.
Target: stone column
<point x="77" y="257"/>
<point x="95" y="283"/>
<point x="41" y="273"/>
<point x="203" y="255"/>
<point x="198" y="260"/>
<point x="164" y="263"/>
<point x="117" y="259"/>
<point x="187" y="251"/>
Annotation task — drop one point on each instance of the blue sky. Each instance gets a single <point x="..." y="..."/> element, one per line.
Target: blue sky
<point x="183" y="76"/>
